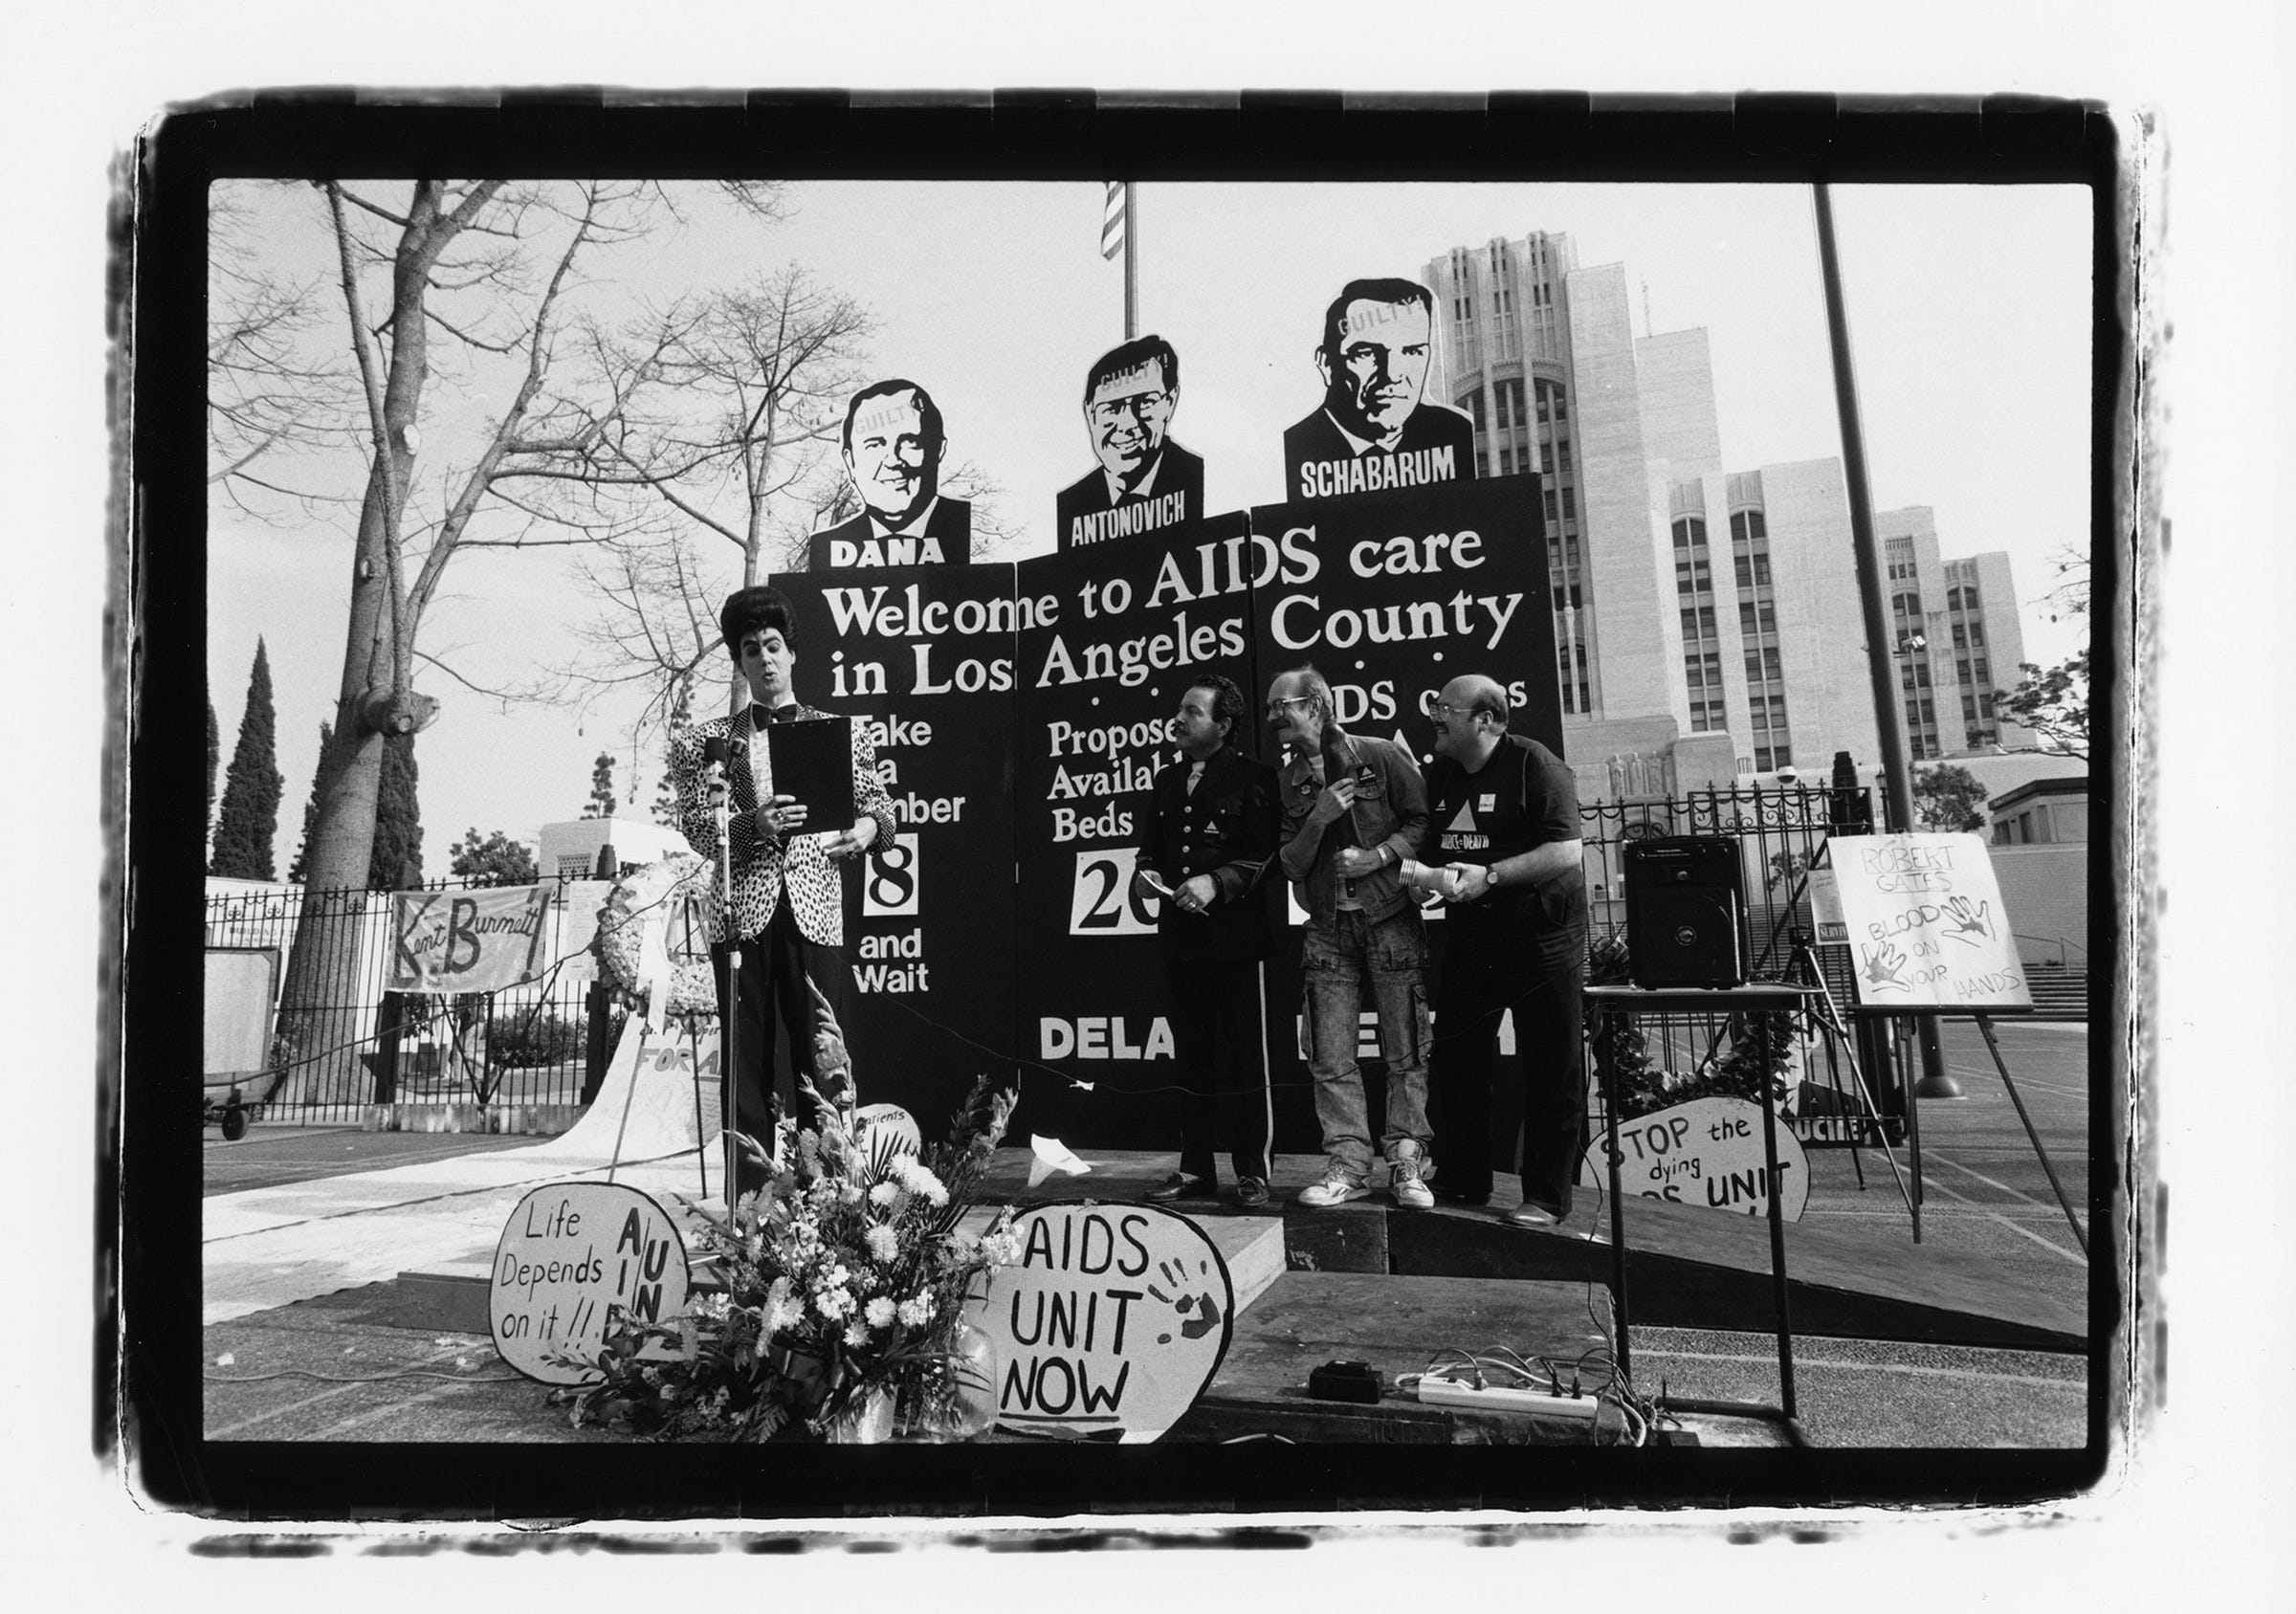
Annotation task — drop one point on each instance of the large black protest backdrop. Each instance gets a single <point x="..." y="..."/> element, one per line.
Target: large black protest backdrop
<point x="1137" y="619"/>
<point x="1390" y="596"/>
<point x="926" y="655"/>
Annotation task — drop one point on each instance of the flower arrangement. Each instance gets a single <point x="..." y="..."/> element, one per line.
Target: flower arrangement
<point x="843" y="1279"/>
<point x="1735" y="1071"/>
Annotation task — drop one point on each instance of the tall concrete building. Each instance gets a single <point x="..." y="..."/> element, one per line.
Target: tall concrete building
<point x="1707" y="621"/>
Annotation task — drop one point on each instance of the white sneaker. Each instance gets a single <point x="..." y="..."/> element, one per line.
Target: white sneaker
<point x="1403" y="1179"/>
<point x="1333" y="1189"/>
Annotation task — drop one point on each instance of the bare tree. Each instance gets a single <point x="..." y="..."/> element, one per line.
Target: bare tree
<point x="485" y="270"/>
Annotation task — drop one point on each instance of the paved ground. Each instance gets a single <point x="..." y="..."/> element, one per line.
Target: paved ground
<point x="332" y="1367"/>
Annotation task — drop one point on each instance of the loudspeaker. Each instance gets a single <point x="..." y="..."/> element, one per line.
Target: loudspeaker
<point x="1686" y="912"/>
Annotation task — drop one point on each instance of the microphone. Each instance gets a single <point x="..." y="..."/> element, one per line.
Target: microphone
<point x="714" y="750"/>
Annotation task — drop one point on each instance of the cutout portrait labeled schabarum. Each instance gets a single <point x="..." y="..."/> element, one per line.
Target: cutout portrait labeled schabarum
<point x="1144" y="479"/>
<point x="1375" y="430"/>
<point x="894" y="447"/>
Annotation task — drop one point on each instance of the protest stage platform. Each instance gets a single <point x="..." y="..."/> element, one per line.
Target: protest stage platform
<point x="1688" y="1267"/>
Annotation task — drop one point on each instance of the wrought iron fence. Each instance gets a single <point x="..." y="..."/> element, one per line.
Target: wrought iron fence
<point x="341" y="1042"/>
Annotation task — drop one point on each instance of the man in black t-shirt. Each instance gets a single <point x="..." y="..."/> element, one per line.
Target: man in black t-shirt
<point x="1505" y="814"/>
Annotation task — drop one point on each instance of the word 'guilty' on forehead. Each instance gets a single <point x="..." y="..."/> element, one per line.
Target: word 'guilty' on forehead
<point x="1147" y="370"/>
<point x="892" y="414"/>
<point x="1362" y="316"/>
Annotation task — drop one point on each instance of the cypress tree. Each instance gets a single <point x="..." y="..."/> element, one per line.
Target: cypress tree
<point x="250" y="820"/>
<point x="601" y="804"/>
<point x="214" y="756"/>
<point x="300" y="868"/>
<point x="396" y="863"/>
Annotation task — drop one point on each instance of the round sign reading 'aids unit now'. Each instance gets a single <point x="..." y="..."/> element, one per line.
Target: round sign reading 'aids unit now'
<point x="574" y="1258"/>
<point x="1111" y="1325"/>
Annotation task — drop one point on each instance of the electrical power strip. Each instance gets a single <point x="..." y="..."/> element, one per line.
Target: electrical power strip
<point x="1438" y="1391"/>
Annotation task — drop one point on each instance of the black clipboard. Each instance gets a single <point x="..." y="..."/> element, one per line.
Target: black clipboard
<point x="813" y="759"/>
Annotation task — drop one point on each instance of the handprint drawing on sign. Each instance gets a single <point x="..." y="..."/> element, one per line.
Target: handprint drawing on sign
<point x="1885" y="966"/>
<point x="1968" y="918"/>
<point x="1204" y="1305"/>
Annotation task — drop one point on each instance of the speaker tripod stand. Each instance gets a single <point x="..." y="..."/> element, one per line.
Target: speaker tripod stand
<point x="1823" y="1013"/>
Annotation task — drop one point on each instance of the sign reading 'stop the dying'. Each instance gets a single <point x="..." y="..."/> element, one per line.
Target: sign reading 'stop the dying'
<point x="1925" y="920"/>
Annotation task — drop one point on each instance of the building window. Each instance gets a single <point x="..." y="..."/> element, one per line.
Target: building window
<point x="1689" y="533"/>
<point x="1782" y="756"/>
<point x="1570" y="504"/>
<point x="1960" y="636"/>
<point x="1505" y="420"/>
<point x="1473" y="404"/>
<point x="1553" y="518"/>
<point x="1984" y="671"/>
<point x="1969" y="597"/>
<point x="1977" y="634"/>
<point x="1505" y="461"/>
<point x="1562" y="453"/>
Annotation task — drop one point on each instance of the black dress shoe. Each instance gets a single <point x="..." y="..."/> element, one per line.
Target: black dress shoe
<point x="1180" y="1185"/>
<point x="1251" y="1191"/>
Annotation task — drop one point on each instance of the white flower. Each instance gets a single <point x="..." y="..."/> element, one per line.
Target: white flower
<point x="1003" y="1249"/>
<point x="833" y="1277"/>
<point x="856" y="1336"/>
<point x="782" y="1309"/>
<point x="849" y="1193"/>
<point x="916" y="1311"/>
<point x="885" y="1193"/>
<point x="883" y="1241"/>
<point x="919" y="1179"/>
<point x="834" y="1303"/>
<point x="879" y="1311"/>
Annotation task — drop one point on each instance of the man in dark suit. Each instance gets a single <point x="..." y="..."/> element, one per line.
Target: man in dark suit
<point x="893" y="445"/>
<point x="1145" y="479"/>
<point x="1209" y="831"/>
<point x="1375" y="431"/>
<point x="786" y="909"/>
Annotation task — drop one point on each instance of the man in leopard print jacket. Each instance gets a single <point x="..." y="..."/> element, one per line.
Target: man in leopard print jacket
<point x="787" y="901"/>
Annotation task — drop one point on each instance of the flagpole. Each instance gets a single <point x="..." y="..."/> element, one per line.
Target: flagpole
<point x="1132" y="263"/>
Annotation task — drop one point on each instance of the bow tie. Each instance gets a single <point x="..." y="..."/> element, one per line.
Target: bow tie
<point x="778" y="715"/>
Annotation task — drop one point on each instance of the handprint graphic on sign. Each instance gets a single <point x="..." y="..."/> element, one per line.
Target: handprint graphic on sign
<point x="1885" y="966"/>
<point x="1206" y="1306"/>
<point x="1971" y="921"/>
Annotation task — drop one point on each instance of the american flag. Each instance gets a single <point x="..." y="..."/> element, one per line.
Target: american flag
<point x="1112" y="220"/>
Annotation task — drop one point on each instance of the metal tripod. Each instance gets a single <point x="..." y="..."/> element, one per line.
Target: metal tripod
<point x="1829" y="1018"/>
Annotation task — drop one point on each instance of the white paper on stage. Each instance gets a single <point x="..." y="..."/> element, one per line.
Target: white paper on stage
<point x="1048" y="1155"/>
<point x="1926" y="923"/>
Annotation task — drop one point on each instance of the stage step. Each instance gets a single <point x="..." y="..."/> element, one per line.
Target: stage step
<point x="1399" y="1325"/>
<point x="1692" y="1268"/>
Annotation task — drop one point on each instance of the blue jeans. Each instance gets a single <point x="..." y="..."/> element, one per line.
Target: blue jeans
<point x="1392" y="953"/>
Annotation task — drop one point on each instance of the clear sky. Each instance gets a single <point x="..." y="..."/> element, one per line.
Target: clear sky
<point x="1969" y="310"/>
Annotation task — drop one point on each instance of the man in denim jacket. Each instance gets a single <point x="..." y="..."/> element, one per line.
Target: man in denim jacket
<point x="1354" y="808"/>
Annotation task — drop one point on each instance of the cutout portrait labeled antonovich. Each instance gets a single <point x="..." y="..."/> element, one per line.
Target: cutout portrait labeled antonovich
<point x="1144" y="479"/>
<point x="1374" y="429"/>
<point x="893" y="445"/>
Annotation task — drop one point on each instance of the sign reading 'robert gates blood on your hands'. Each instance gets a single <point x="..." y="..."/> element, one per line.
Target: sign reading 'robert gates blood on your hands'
<point x="1375" y="430"/>
<point x="1925" y="920"/>
<point x="1112" y="1324"/>
<point x="893" y="444"/>
<point x="1144" y="481"/>
<point x="924" y="657"/>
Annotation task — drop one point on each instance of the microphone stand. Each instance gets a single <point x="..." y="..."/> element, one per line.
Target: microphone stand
<point x="729" y="1108"/>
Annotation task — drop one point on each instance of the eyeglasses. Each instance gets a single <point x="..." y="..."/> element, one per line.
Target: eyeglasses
<point x="1444" y="710"/>
<point x="1278" y="702"/>
<point x="1139" y="404"/>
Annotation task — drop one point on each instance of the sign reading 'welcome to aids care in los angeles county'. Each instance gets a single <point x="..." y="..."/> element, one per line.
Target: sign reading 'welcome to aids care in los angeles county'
<point x="1926" y="923"/>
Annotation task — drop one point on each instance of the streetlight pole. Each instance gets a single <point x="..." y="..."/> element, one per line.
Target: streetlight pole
<point x="1888" y="712"/>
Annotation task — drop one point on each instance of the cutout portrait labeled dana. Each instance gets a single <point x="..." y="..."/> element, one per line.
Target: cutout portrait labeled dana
<point x="1375" y="429"/>
<point x="1144" y="479"/>
<point x="893" y="445"/>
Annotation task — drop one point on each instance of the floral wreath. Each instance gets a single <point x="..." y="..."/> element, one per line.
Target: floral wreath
<point x="644" y="899"/>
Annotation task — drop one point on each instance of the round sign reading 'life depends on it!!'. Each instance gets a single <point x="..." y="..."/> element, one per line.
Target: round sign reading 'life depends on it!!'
<point x="574" y="1259"/>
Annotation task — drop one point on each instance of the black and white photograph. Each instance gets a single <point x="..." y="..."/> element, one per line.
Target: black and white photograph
<point x="1550" y="924"/>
